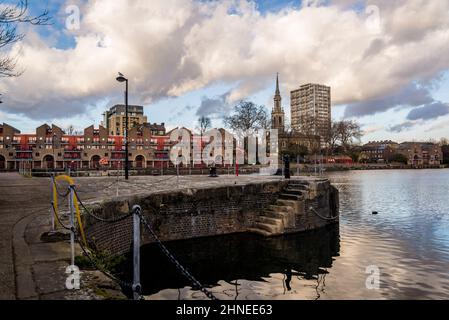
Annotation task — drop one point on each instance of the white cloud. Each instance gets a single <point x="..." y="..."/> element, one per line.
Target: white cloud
<point x="169" y="47"/>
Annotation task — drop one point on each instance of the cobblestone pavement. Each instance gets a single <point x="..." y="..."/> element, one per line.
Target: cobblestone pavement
<point x="102" y="188"/>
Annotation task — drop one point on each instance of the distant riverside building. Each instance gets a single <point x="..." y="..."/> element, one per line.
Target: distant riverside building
<point x="311" y="110"/>
<point x="50" y="147"/>
<point x="293" y="139"/>
<point x="378" y="151"/>
<point x="420" y="154"/>
<point x="114" y="118"/>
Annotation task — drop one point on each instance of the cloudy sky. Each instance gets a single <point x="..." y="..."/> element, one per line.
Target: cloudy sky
<point x="386" y="61"/>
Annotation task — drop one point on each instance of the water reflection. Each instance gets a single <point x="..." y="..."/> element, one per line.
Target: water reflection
<point x="408" y="241"/>
<point x="243" y="266"/>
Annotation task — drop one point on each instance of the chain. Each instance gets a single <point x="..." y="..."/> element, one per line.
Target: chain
<point x="62" y="195"/>
<point x="178" y="265"/>
<point x="320" y="216"/>
<point x="90" y="213"/>
<point x="105" y="272"/>
<point x="57" y="217"/>
<point x="86" y="253"/>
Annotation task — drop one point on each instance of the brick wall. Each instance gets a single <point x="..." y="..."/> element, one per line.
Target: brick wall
<point x="202" y="212"/>
<point x="182" y="215"/>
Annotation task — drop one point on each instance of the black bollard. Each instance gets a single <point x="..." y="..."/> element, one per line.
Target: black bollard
<point x="213" y="172"/>
<point x="287" y="166"/>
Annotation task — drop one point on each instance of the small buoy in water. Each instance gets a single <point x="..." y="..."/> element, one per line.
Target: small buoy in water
<point x="375" y="212"/>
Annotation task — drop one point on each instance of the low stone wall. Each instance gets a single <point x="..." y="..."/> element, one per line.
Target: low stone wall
<point x="213" y="211"/>
<point x="324" y="199"/>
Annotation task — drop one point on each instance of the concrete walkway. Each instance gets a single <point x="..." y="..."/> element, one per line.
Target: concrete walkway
<point x="29" y="267"/>
<point x="20" y="199"/>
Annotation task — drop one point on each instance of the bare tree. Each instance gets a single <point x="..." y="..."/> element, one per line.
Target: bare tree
<point x="70" y="130"/>
<point x="348" y="131"/>
<point x="288" y="129"/>
<point x="333" y="137"/>
<point x="204" y="123"/>
<point x="11" y="16"/>
<point x="247" y="118"/>
<point x="444" y="142"/>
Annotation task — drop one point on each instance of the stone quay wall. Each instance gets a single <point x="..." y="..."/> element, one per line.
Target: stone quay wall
<point x="203" y="212"/>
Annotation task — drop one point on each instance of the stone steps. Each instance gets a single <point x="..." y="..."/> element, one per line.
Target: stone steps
<point x="274" y="229"/>
<point x="298" y="184"/>
<point x="295" y="191"/>
<point x="283" y="202"/>
<point x="280" y="215"/>
<point x="268" y="220"/>
<point x="289" y="196"/>
<point x="260" y="232"/>
<point x="273" y="214"/>
<point x="279" y="208"/>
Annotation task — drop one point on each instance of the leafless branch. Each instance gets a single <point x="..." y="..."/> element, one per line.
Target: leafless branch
<point x="10" y="18"/>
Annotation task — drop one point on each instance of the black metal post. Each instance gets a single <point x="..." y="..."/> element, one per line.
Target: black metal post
<point x="53" y="149"/>
<point x="287" y="166"/>
<point x="126" y="132"/>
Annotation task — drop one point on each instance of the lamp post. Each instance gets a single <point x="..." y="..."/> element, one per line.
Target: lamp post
<point x="121" y="78"/>
<point x="53" y="149"/>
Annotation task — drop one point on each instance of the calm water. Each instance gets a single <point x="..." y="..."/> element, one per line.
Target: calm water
<point x="408" y="241"/>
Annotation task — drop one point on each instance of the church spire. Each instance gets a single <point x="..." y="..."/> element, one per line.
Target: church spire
<point x="277" y="96"/>
<point x="277" y="85"/>
<point x="277" y="115"/>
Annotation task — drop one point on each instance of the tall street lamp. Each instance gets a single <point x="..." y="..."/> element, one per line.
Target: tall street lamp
<point x="121" y="78"/>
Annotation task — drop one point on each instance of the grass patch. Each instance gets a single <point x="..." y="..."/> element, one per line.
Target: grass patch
<point x="100" y="260"/>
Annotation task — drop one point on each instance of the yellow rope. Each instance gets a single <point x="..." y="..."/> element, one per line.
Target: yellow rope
<point x="55" y="204"/>
<point x="75" y="203"/>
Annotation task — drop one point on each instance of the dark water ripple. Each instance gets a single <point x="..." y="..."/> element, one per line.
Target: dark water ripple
<point x="408" y="241"/>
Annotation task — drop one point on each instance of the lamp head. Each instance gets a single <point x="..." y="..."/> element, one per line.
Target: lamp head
<point x="121" y="78"/>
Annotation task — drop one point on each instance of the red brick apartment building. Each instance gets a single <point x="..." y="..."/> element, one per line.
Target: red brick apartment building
<point x="51" y="148"/>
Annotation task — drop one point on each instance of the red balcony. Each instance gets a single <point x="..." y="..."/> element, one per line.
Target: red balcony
<point x="24" y="156"/>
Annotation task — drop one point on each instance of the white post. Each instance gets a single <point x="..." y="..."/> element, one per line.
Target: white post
<point x="136" y="251"/>
<point x="72" y="224"/>
<point x="177" y="175"/>
<point x="116" y="183"/>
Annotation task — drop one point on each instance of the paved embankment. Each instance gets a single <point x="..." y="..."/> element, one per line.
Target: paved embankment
<point x="33" y="269"/>
<point x="29" y="267"/>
